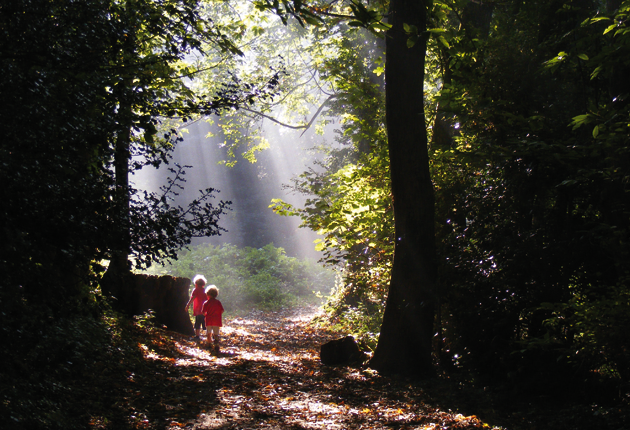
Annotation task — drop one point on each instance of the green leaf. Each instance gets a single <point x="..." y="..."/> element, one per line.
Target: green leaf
<point x="311" y="20"/>
<point x="381" y="26"/>
<point x="597" y="71"/>
<point x="580" y="120"/>
<point x="610" y="28"/>
<point x="599" y="18"/>
<point x="410" y="29"/>
<point x="568" y="182"/>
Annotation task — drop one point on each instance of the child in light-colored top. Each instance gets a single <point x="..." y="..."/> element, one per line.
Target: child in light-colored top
<point x="198" y="297"/>
<point x="213" y="310"/>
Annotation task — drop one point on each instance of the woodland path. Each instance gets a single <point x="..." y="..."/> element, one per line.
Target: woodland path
<point x="269" y="376"/>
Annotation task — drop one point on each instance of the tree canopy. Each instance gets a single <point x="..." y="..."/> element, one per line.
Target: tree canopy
<point x="88" y="89"/>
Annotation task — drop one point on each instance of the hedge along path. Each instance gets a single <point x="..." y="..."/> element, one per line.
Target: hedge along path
<point x="269" y="376"/>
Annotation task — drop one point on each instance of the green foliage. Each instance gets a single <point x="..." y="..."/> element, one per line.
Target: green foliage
<point x="531" y="187"/>
<point x="248" y="277"/>
<point x="591" y="328"/>
<point x="348" y="193"/>
<point x="160" y="228"/>
<point x="96" y="81"/>
<point x="54" y="212"/>
<point x="532" y="209"/>
<point x="145" y="321"/>
<point x="361" y="319"/>
<point x="349" y="200"/>
<point x="50" y="362"/>
<point x="267" y="44"/>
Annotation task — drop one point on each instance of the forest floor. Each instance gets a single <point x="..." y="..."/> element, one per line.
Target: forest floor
<point x="269" y="376"/>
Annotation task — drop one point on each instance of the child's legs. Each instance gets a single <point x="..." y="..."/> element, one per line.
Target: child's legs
<point x="213" y="333"/>
<point x="200" y="322"/>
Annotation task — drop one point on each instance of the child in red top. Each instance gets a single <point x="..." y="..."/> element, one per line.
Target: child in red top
<point x="213" y="310"/>
<point x="199" y="297"/>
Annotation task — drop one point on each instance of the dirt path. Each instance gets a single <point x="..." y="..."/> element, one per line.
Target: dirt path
<point x="269" y="377"/>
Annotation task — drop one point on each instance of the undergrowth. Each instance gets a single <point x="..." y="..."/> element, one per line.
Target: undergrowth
<point x="265" y="278"/>
<point x="52" y="367"/>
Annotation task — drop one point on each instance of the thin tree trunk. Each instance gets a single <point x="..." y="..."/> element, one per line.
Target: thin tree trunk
<point x="122" y="241"/>
<point x="404" y="345"/>
<point x="122" y="157"/>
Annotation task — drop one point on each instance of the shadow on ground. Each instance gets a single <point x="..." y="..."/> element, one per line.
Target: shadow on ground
<point x="269" y="376"/>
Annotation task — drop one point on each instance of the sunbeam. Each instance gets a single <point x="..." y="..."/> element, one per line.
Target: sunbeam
<point x="249" y="186"/>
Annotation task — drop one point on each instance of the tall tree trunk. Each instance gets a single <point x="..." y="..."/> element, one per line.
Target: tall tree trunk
<point x="404" y="345"/>
<point x="122" y="157"/>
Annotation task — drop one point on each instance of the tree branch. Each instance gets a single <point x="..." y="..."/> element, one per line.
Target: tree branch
<point x="294" y="127"/>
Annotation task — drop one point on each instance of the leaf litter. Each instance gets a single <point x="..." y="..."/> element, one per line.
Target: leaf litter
<point x="268" y="376"/>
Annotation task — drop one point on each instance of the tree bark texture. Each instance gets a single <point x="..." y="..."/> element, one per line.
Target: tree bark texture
<point x="404" y="344"/>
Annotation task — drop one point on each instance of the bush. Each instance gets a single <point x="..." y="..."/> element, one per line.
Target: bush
<point x="248" y="277"/>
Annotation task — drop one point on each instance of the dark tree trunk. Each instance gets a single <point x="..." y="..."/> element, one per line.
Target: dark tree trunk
<point x="122" y="240"/>
<point x="404" y="345"/>
<point x="122" y="156"/>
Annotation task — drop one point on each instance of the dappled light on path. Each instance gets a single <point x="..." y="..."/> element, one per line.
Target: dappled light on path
<point x="268" y="376"/>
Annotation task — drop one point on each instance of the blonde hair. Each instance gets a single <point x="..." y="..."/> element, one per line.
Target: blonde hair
<point x="212" y="291"/>
<point x="199" y="278"/>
